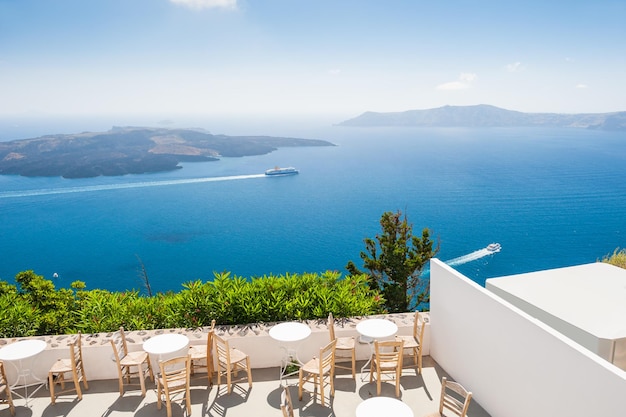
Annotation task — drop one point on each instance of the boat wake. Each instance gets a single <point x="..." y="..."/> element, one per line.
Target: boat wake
<point x="480" y="253"/>
<point x="106" y="187"/>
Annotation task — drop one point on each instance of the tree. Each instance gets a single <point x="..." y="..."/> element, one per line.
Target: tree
<point x="395" y="260"/>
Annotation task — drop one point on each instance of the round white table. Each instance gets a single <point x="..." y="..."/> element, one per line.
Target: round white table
<point x="22" y="356"/>
<point x="289" y="333"/>
<point x="377" y="328"/>
<point x="164" y="344"/>
<point x="383" y="406"/>
<point x="371" y="330"/>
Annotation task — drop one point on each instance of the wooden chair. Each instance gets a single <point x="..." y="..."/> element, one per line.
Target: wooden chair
<point x="320" y="369"/>
<point x="202" y="355"/>
<point x="387" y="360"/>
<point x="229" y="361"/>
<point x="344" y="344"/>
<point x="285" y="403"/>
<point x="415" y="342"/>
<point x="73" y="366"/>
<point x="454" y="398"/>
<point x="127" y="362"/>
<point x="174" y="378"/>
<point x="6" y="390"/>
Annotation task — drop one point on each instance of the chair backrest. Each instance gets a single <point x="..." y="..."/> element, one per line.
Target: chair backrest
<point x="454" y="397"/>
<point x="327" y="358"/>
<point x="118" y="341"/>
<point x="175" y="374"/>
<point x="209" y="339"/>
<point x="418" y="327"/>
<point x="389" y="352"/>
<point x="331" y="326"/>
<point x="222" y="349"/>
<point x="285" y="403"/>
<point x="76" y="355"/>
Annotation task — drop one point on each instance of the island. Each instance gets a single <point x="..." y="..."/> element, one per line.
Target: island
<point x="130" y="150"/>
<point x="484" y="115"/>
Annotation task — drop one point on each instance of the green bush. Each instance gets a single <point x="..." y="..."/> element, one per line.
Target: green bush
<point x="618" y="258"/>
<point x="35" y="307"/>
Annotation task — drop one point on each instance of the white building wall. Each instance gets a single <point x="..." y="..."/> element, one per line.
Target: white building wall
<point x="515" y="365"/>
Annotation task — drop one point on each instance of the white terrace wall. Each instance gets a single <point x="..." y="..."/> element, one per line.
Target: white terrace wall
<point x="254" y="339"/>
<point x="515" y="365"/>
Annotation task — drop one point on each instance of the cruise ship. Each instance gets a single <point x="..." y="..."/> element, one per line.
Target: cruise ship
<point x="281" y="171"/>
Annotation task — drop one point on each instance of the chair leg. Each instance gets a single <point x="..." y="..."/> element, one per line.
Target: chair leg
<point x="353" y="363"/>
<point x="249" y="372"/>
<point x="320" y="379"/>
<point x="300" y="384"/>
<point x="159" y="400"/>
<point x="142" y="381"/>
<point x="77" y="386"/>
<point x="51" y="385"/>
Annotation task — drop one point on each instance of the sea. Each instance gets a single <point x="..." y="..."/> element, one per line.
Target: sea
<point x="551" y="197"/>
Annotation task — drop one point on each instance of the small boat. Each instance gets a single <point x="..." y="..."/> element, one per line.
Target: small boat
<point x="281" y="171"/>
<point x="493" y="247"/>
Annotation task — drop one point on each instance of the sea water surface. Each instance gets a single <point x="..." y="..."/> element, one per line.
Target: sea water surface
<point x="550" y="197"/>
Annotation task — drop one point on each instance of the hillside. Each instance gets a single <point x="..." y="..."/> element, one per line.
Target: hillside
<point x="488" y="116"/>
<point x="130" y="150"/>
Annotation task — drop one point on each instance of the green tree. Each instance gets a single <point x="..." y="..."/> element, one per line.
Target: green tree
<point x="395" y="260"/>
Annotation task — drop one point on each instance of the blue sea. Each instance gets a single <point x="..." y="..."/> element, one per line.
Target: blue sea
<point x="550" y="197"/>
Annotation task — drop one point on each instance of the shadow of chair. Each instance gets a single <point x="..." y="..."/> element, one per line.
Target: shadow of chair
<point x="126" y="362"/>
<point x="202" y="355"/>
<point x="344" y="344"/>
<point x="454" y="397"/>
<point x="6" y="390"/>
<point x="73" y="366"/>
<point x="230" y="361"/>
<point x="174" y="379"/>
<point x="414" y="343"/>
<point x="285" y="403"/>
<point x="387" y="360"/>
<point x="320" y="369"/>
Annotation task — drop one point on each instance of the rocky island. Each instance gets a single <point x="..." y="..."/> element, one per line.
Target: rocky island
<point x="130" y="150"/>
<point x="484" y="115"/>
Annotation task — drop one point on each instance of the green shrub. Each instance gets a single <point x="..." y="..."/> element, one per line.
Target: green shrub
<point x="618" y="258"/>
<point x="35" y="307"/>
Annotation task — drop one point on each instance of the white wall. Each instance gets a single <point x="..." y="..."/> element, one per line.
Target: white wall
<point x="515" y="365"/>
<point x="264" y="351"/>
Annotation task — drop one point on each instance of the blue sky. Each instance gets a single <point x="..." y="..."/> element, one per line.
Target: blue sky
<point x="280" y="57"/>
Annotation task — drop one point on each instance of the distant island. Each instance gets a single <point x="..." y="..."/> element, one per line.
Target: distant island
<point x="488" y="116"/>
<point x="130" y="150"/>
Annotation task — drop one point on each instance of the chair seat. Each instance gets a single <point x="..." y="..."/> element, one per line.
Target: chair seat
<point x="387" y="365"/>
<point x="61" y="366"/>
<point x="313" y="366"/>
<point x="134" y="358"/>
<point x="409" y="341"/>
<point x="236" y="355"/>
<point x="345" y="343"/>
<point x="198" y="351"/>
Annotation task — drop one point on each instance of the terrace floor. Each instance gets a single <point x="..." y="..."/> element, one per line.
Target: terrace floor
<point x="421" y="393"/>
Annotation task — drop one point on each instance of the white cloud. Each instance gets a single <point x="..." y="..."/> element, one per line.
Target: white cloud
<point x="207" y="4"/>
<point x="464" y="82"/>
<point x="516" y="66"/>
<point x="581" y="86"/>
<point x="334" y="71"/>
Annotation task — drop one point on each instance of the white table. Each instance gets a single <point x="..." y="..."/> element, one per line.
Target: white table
<point x="22" y="356"/>
<point x="289" y="333"/>
<point x="383" y="406"/>
<point x="375" y="329"/>
<point x="165" y="344"/>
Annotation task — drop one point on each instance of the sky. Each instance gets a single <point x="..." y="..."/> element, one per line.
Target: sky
<point x="299" y="57"/>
